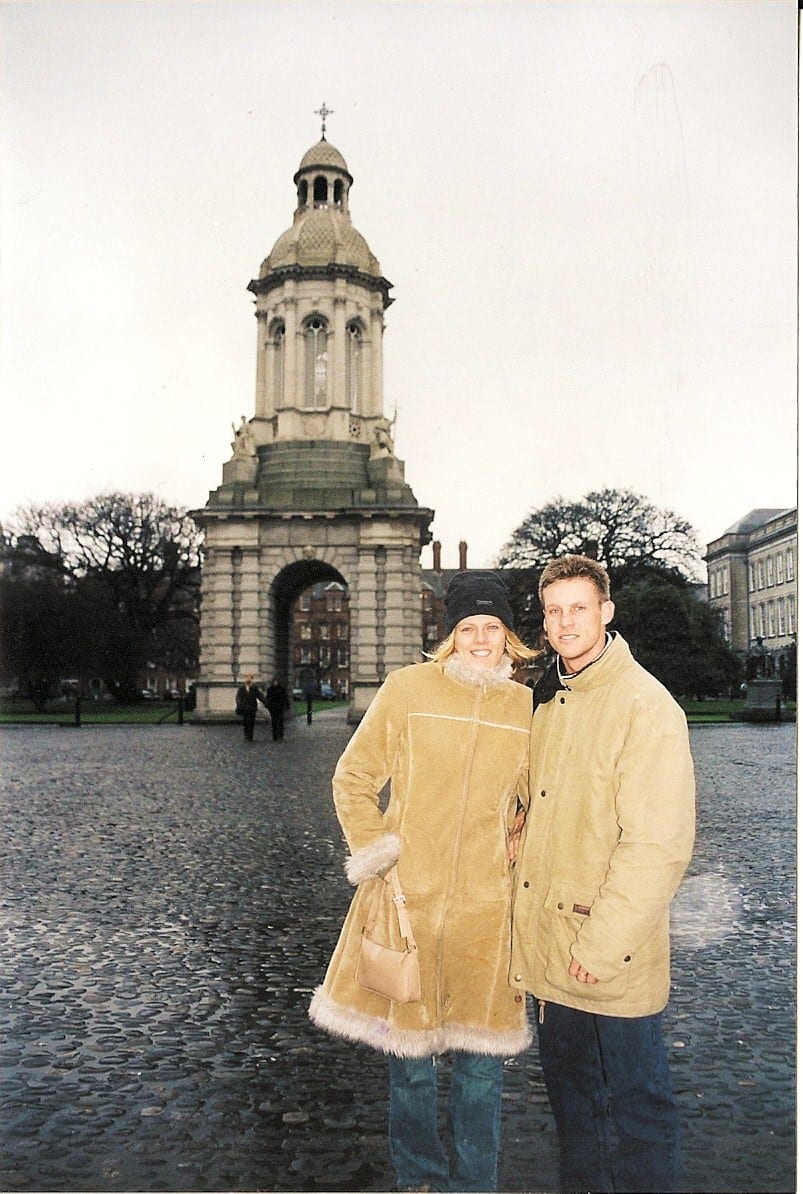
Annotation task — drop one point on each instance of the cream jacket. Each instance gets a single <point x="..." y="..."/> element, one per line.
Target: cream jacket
<point x="456" y="757"/>
<point x="609" y="833"/>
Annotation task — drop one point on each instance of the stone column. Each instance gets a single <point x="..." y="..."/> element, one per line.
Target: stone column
<point x="262" y="406"/>
<point x="377" y="330"/>
<point x="292" y="351"/>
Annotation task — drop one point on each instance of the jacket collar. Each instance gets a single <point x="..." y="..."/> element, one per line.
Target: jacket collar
<point x="616" y="657"/>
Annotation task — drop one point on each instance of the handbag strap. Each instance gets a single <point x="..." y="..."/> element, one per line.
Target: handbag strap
<point x="405" y="928"/>
<point x="399" y="902"/>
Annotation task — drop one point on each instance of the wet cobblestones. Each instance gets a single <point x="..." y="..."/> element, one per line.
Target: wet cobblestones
<point x="170" y="896"/>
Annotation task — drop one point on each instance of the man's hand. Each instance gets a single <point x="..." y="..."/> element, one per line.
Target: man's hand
<point x="580" y="973"/>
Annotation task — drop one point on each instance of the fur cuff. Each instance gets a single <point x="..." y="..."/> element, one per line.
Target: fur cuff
<point x="378" y="855"/>
<point x="354" y="1025"/>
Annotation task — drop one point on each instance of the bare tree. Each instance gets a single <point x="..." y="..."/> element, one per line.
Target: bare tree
<point x="618" y="527"/>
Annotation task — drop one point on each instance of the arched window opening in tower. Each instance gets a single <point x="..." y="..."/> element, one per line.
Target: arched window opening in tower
<point x="302" y="193"/>
<point x="320" y="191"/>
<point x="338" y="192"/>
<point x="353" y="348"/>
<point x="316" y="362"/>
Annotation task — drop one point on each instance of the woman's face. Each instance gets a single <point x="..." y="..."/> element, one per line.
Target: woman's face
<point x="480" y="641"/>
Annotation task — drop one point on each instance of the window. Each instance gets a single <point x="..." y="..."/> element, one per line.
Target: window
<point x="306" y="655"/>
<point x="324" y="656"/>
<point x="278" y="366"/>
<point x="304" y="603"/>
<point x="770" y="619"/>
<point x="779" y="568"/>
<point x="760" y="574"/>
<point x="781" y="616"/>
<point x="725" y="580"/>
<point x="770" y="571"/>
<point x="752" y="576"/>
<point x="790" y="564"/>
<point x="342" y="630"/>
<point x="320" y="190"/>
<point x="762" y="619"/>
<point x="343" y="656"/>
<point x="306" y="631"/>
<point x="324" y="630"/>
<point x="791" y="610"/>
<point x="353" y="347"/>
<point x="316" y="362"/>
<point x="339" y="192"/>
<point x="753" y="629"/>
<point x="302" y="193"/>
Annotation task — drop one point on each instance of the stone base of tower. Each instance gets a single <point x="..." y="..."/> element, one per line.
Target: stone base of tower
<point x="259" y="558"/>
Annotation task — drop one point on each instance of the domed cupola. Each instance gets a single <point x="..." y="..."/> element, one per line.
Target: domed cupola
<point x="322" y="231"/>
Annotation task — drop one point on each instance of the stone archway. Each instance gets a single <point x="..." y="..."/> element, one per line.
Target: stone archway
<point x="286" y="588"/>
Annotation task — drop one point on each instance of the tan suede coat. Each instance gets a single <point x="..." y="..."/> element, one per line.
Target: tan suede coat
<point x="456" y="757"/>
<point x="609" y="834"/>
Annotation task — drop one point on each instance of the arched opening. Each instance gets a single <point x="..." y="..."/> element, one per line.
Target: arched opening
<point x="316" y="362"/>
<point x="338" y="192"/>
<point x="302" y="193"/>
<point x="320" y="189"/>
<point x="310" y="603"/>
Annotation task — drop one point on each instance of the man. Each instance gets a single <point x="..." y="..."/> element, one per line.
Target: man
<point x="276" y="702"/>
<point x="248" y="695"/>
<point x="608" y="836"/>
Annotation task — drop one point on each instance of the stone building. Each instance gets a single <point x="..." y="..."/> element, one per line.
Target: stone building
<point x="752" y="581"/>
<point x="313" y="491"/>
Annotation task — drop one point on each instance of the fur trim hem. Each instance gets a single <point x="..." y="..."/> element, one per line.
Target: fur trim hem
<point x="354" y="1025"/>
<point x="379" y="855"/>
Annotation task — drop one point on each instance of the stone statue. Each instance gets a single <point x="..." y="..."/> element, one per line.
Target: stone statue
<point x="243" y="445"/>
<point x="383" y="437"/>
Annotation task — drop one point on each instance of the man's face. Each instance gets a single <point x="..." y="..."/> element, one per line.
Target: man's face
<point x="575" y="617"/>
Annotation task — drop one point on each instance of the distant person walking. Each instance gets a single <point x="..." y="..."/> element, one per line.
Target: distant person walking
<point x="310" y="688"/>
<point x="276" y="702"/>
<point x="248" y="697"/>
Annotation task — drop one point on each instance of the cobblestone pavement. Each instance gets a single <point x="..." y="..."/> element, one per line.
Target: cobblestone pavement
<point x="170" y="897"/>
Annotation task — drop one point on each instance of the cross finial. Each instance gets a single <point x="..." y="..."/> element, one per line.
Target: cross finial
<point x="323" y="112"/>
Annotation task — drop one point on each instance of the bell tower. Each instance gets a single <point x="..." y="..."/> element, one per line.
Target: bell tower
<point x="313" y="489"/>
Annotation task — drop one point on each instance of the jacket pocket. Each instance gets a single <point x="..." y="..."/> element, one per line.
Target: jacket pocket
<point x="567" y="909"/>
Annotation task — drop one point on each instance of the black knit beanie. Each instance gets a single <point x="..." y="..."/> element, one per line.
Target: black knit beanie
<point x="472" y="593"/>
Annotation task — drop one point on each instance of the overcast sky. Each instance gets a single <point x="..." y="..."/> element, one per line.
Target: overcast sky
<point x="587" y="211"/>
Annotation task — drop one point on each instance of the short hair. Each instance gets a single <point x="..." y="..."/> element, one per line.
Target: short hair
<point x="570" y="566"/>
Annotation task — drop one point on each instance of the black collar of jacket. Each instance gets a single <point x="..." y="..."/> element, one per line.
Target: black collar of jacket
<point x="547" y="686"/>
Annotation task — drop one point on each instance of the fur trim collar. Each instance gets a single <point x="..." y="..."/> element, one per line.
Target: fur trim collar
<point x="354" y="1025"/>
<point x="457" y="669"/>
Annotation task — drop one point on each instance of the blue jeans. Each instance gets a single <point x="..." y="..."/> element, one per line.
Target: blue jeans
<point x="468" y="1162"/>
<point x="610" y="1090"/>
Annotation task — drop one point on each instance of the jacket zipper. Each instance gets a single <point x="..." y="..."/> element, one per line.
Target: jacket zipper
<point x="458" y="837"/>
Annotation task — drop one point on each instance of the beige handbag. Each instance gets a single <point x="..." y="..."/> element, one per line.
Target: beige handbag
<point x="393" y="973"/>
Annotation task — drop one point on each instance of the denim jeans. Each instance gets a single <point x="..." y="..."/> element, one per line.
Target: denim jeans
<point x="610" y="1090"/>
<point x="469" y="1159"/>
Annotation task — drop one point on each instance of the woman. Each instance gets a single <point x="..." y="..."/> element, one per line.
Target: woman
<point x="452" y="736"/>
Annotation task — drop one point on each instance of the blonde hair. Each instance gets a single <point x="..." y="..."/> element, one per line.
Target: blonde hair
<point x="515" y="649"/>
